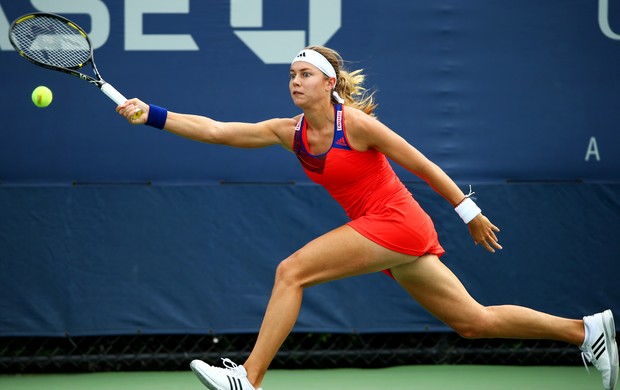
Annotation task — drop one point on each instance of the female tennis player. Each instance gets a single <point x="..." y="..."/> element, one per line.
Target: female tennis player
<point x="343" y="147"/>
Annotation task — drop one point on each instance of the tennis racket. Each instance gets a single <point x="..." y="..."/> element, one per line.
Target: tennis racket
<point x="56" y="43"/>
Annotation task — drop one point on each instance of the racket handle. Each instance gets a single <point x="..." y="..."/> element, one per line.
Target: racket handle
<point x="117" y="97"/>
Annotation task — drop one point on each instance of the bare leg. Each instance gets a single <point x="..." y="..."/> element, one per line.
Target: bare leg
<point x="340" y="253"/>
<point x="438" y="290"/>
<point x="343" y="252"/>
<point x="280" y="317"/>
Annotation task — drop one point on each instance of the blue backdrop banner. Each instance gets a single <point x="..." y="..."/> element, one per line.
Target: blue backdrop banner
<point x="489" y="90"/>
<point x="107" y="228"/>
<point x="90" y="260"/>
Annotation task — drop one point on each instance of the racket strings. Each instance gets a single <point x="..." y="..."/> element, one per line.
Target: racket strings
<point x="51" y="41"/>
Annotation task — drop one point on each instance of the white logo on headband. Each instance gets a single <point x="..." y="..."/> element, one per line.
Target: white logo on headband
<point x="315" y="58"/>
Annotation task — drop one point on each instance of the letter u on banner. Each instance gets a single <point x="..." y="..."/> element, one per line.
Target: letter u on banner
<point x="603" y="20"/>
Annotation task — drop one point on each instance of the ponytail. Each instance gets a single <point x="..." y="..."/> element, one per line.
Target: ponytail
<point x="348" y="84"/>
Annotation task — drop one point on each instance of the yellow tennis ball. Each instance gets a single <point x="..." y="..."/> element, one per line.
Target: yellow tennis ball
<point x="42" y="96"/>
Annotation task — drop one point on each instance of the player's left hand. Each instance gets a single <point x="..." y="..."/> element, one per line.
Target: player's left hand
<point x="483" y="232"/>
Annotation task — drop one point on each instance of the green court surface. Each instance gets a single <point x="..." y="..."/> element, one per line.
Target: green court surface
<point x="438" y="377"/>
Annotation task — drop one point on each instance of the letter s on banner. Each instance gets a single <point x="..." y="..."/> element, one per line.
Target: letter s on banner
<point x="136" y="39"/>
<point x="280" y="46"/>
<point x="603" y="20"/>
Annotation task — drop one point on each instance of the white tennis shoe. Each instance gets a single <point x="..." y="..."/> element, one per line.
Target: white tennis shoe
<point x="600" y="348"/>
<point x="231" y="377"/>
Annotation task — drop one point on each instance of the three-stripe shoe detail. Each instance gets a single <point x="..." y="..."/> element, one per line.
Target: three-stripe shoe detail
<point x="234" y="383"/>
<point x="598" y="348"/>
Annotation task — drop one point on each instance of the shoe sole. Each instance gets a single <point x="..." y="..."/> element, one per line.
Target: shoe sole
<point x="195" y="365"/>
<point x="609" y="328"/>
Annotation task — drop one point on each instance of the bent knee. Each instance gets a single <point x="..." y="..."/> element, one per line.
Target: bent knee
<point x="477" y="327"/>
<point x="287" y="273"/>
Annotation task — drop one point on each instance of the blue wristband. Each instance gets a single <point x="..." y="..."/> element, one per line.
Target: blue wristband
<point x="157" y="116"/>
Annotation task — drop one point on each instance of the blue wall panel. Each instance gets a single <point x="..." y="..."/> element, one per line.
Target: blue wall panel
<point x="175" y="259"/>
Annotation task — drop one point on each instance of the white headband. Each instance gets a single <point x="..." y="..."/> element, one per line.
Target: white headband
<point x="317" y="59"/>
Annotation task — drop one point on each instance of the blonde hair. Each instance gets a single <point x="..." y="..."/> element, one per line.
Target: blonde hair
<point x="348" y="84"/>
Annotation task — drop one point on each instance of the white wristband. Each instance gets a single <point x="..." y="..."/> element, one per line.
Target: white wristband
<point x="467" y="210"/>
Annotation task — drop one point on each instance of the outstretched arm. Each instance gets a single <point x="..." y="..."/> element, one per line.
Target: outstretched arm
<point x="204" y="129"/>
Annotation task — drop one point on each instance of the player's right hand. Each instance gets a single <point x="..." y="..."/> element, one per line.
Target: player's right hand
<point x="129" y="109"/>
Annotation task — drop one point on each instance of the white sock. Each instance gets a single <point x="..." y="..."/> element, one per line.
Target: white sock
<point x="591" y="330"/>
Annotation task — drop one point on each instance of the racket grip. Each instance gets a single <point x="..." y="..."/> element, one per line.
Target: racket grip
<point x="117" y="97"/>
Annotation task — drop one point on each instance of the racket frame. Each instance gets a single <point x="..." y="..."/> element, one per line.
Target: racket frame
<point x="105" y="87"/>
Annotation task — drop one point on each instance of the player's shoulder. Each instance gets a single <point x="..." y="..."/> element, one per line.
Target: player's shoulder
<point x="283" y="129"/>
<point x="357" y="120"/>
<point x="363" y="130"/>
<point x="278" y="125"/>
<point x="282" y="121"/>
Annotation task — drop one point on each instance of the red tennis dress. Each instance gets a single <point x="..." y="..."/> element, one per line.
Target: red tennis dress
<point x="381" y="208"/>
